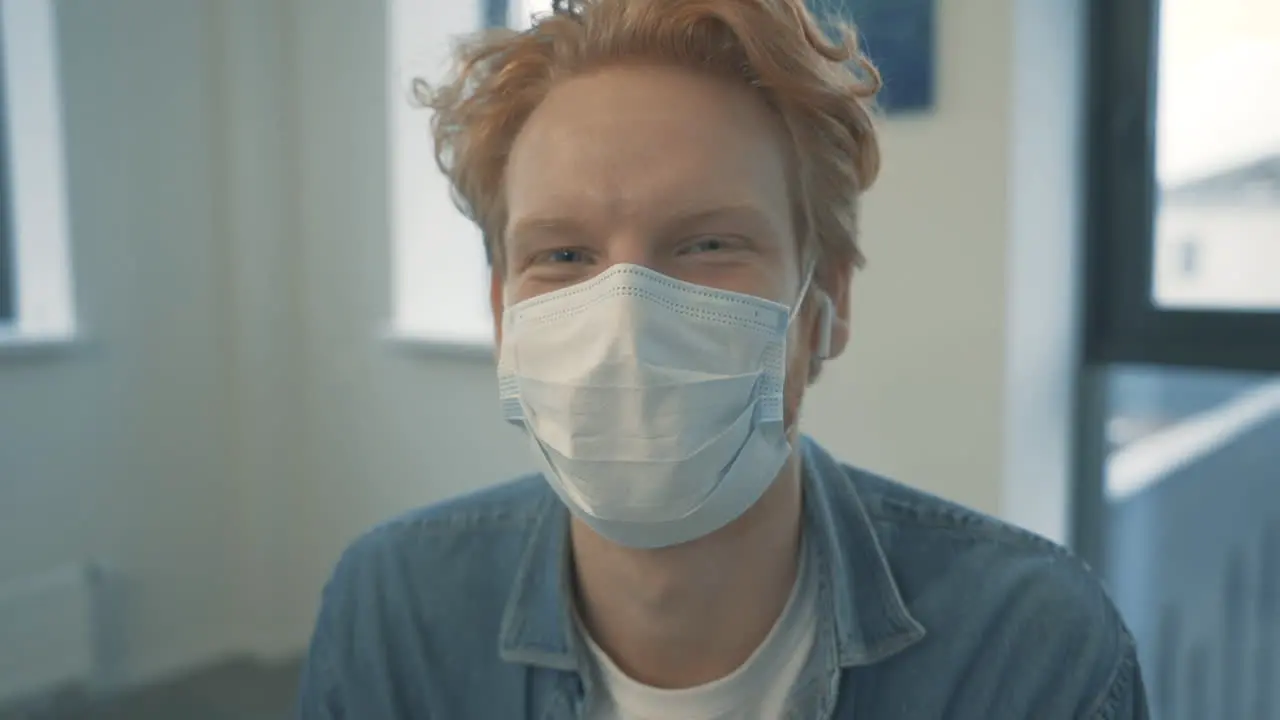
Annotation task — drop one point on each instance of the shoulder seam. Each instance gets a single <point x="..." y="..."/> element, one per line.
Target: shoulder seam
<point x="1119" y="681"/>
<point x="500" y="519"/>
<point x="452" y="514"/>
<point x="970" y="524"/>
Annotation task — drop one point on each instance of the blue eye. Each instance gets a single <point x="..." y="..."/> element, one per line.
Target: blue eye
<point x="710" y="243"/>
<point x="563" y="256"/>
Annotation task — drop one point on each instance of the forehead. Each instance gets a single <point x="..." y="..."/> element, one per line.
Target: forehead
<point x="647" y="141"/>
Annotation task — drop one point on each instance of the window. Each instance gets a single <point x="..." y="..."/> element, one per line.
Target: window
<point x="1185" y="141"/>
<point x="7" y="290"/>
<point x="440" y="278"/>
<point x="1178" y="502"/>
<point x="519" y="12"/>
<point x="1189" y="251"/>
<point x="35" y="265"/>
<point x="1218" y="156"/>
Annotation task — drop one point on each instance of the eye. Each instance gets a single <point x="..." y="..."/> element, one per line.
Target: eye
<point x="560" y="256"/>
<point x="710" y="244"/>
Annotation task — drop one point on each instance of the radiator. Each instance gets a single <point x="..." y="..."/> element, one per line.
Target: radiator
<point x="49" y="633"/>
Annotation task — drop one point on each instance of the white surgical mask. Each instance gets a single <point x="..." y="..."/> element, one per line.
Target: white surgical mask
<point x="655" y="406"/>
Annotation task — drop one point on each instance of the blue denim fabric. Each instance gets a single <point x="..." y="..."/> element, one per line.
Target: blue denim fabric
<point x="461" y="611"/>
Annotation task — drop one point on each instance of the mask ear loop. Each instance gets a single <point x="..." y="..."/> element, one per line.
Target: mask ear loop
<point x="804" y="291"/>
<point x="826" y="316"/>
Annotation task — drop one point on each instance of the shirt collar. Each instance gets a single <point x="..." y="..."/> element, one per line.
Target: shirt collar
<point x="871" y="620"/>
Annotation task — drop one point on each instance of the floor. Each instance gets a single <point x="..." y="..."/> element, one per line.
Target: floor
<point x="239" y="690"/>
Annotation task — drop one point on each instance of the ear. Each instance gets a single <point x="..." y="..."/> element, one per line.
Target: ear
<point x="831" y="329"/>
<point x="496" y="305"/>
<point x="826" y="323"/>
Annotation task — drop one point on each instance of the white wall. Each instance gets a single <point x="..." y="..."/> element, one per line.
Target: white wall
<point x="116" y="449"/>
<point x="237" y="418"/>
<point x="918" y="394"/>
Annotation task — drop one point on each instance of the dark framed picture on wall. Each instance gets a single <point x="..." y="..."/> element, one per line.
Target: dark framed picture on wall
<point x="900" y="37"/>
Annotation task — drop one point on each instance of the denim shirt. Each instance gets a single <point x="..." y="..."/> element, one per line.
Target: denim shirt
<point x="927" y="610"/>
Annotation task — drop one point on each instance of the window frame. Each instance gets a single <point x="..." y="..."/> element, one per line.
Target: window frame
<point x="1122" y="323"/>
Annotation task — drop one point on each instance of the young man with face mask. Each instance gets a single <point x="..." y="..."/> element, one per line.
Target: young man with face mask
<point x="669" y="189"/>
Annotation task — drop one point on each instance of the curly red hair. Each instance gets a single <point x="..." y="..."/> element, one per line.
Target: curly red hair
<point x="823" y="90"/>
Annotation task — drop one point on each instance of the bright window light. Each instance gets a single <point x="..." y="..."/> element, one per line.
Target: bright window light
<point x="522" y="11"/>
<point x="41" y="263"/>
<point x="440" y="277"/>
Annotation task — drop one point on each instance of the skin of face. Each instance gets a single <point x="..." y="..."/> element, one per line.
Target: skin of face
<point x="683" y="173"/>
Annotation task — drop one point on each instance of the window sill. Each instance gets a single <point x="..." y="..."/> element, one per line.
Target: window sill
<point x="465" y="348"/>
<point x="25" y="343"/>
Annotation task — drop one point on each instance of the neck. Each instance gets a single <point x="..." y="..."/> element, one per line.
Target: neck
<point x="686" y="615"/>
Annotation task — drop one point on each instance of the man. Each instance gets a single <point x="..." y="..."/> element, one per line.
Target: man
<point x="669" y="191"/>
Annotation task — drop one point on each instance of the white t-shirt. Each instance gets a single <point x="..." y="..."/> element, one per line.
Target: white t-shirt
<point x="757" y="690"/>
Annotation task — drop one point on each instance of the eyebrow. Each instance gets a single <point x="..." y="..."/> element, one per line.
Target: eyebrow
<point x="559" y="227"/>
<point x="566" y="228"/>
<point x="737" y="212"/>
